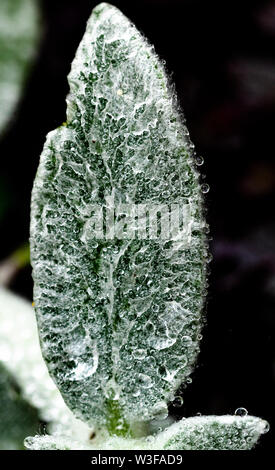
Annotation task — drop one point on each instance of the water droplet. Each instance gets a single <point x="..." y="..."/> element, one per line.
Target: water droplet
<point x="149" y="327"/>
<point x="144" y="381"/>
<point x="139" y="354"/>
<point x="178" y="402"/>
<point x="162" y="370"/>
<point x="199" y="160"/>
<point x="161" y="411"/>
<point x="120" y="424"/>
<point x="241" y="412"/>
<point x="162" y="343"/>
<point x="266" y="428"/>
<point x="205" y="188"/>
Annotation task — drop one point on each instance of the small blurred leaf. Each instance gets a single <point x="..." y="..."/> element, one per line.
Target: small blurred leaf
<point x="19" y="25"/>
<point x="18" y="418"/>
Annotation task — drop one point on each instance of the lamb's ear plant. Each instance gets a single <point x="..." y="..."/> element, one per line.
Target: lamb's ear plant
<point x="19" y="34"/>
<point x="119" y="251"/>
<point x="28" y="396"/>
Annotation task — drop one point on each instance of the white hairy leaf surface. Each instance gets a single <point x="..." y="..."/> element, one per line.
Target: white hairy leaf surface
<point x="19" y="33"/>
<point x="61" y="442"/>
<point x="198" y="433"/>
<point x="54" y="443"/>
<point x="119" y="317"/>
<point x="20" y="354"/>
<point x="212" y="433"/>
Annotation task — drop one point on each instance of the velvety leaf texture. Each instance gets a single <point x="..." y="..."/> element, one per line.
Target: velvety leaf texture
<point x="198" y="433"/>
<point x="19" y="33"/>
<point x="20" y="356"/>
<point x="213" y="433"/>
<point x="62" y="442"/>
<point x="119" y="316"/>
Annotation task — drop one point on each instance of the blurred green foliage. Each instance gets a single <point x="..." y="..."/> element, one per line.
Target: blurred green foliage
<point x="18" y="419"/>
<point x="19" y="33"/>
<point x="21" y="256"/>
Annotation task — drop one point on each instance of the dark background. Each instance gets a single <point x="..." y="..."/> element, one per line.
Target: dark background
<point x="221" y="56"/>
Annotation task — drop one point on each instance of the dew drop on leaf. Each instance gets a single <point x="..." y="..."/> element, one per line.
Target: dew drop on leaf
<point x="178" y="402"/>
<point x="205" y="188"/>
<point x="199" y="160"/>
<point x="241" y="412"/>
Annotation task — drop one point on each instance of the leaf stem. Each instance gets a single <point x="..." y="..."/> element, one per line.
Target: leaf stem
<point x="116" y="424"/>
